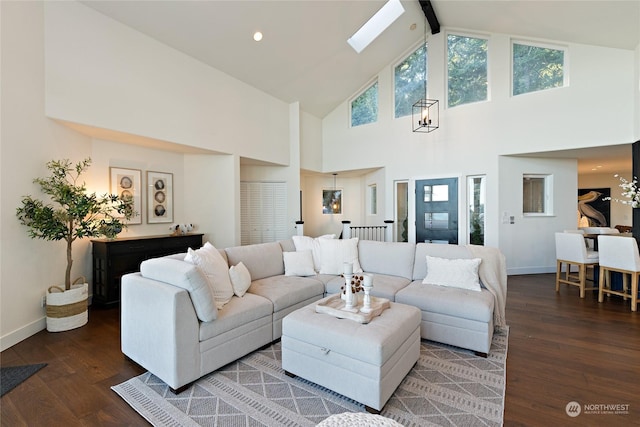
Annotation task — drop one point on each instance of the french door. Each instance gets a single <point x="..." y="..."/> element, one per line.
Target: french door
<point x="437" y="210"/>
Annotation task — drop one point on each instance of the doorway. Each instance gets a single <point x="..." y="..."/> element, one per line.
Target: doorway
<point x="437" y="210"/>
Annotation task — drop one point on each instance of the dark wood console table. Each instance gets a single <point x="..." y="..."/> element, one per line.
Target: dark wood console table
<point x="112" y="258"/>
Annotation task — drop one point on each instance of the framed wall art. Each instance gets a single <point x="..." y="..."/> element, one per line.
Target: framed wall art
<point x="593" y="209"/>
<point x="159" y="197"/>
<point x="332" y="201"/>
<point x="126" y="184"/>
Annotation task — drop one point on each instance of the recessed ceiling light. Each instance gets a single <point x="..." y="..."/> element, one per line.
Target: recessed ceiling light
<point x="257" y="36"/>
<point x="376" y="25"/>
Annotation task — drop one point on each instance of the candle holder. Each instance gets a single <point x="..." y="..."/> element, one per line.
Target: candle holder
<point x="348" y="294"/>
<point x="367" y="285"/>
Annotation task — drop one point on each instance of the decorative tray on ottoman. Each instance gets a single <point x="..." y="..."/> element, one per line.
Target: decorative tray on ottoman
<point x="335" y="306"/>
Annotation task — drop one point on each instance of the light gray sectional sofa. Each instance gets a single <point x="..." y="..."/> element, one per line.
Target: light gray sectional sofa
<point x="171" y="327"/>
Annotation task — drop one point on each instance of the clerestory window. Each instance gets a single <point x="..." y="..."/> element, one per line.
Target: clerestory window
<point x="537" y="67"/>
<point x="409" y="80"/>
<point x="467" y="70"/>
<point x="364" y="108"/>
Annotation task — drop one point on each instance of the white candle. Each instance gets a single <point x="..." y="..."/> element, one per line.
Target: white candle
<point x="348" y="268"/>
<point x="368" y="281"/>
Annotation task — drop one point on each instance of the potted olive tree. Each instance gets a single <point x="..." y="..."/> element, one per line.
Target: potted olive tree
<point x="70" y="214"/>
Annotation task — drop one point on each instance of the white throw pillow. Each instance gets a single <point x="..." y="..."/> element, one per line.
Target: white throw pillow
<point x="306" y="243"/>
<point x="335" y="252"/>
<point x="215" y="268"/>
<point x="456" y="273"/>
<point x="298" y="263"/>
<point x="240" y="278"/>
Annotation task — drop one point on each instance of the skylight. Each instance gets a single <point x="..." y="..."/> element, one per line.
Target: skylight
<point x="376" y="25"/>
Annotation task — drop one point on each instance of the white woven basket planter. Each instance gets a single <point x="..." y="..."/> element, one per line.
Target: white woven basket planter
<point x="67" y="309"/>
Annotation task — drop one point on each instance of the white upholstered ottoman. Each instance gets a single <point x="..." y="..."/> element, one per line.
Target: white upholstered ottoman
<point x="365" y="362"/>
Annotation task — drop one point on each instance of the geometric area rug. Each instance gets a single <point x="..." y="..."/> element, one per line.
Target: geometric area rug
<point x="448" y="386"/>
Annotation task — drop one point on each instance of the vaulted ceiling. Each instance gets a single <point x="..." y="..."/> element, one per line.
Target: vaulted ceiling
<point x="304" y="55"/>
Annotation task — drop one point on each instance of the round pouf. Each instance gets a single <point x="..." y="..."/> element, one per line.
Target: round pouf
<point x="358" y="419"/>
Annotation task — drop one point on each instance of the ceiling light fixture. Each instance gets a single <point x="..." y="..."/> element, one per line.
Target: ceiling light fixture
<point x="425" y="114"/>
<point x="257" y="36"/>
<point x="376" y="25"/>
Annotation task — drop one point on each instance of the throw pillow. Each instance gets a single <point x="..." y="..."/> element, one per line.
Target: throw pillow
<point x="306" y="243"/>
<point x="215" y="269"/>
<point x="335" y="252"/>
<point x="298" y="263"/>
<point x="456" y="273"/>
<point x="240" y="278"/>
<point x="186" y="276"/>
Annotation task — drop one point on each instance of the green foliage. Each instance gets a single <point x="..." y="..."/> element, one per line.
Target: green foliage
<point x="467" y="67"/>
<point x="477" y="236"/>
<point x="364" y="109"/>
<point x="536" y="68"/>
<point x="409" y="79"/>
<point x="74" y="214"/>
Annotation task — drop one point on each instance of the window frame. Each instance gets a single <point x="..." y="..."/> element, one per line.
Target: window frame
<point x="373" y="199"/>
<point x="547" y="195"/>
<point x="541" y="45"/>
<point x="361" y="92"/>
<point x="482" y="36"/>
<point x="403" y="58"/>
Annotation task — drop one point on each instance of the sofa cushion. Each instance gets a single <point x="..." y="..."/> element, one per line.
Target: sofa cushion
<point x="335" y="252"/>
<point x="285" y="291"/>
<point x="306" y="243"/>
<point x="457" y="273"/>
<point x="240" y="278"/>
<point x="391" y="258"/>
<point x="262" y="260"/>
<point x="238" y="312"/>
<point x="215" y="269"/>
<point x="299" y="263"/>
<point x="287" y="245"/>
<point x="186" y="276"/>
<point x="436" y="250"/>
<point x="454" y="302"/>
<point x="384" y="286"/>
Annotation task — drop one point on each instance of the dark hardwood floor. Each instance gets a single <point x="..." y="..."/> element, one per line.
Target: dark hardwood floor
<point x="561" y="349"/>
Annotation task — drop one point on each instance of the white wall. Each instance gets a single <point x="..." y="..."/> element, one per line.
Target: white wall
<point x="310" y="142"/>
<point x="529" y="243"/>
<point x="315" y="222"/>
<point x="28" y="140"/>
<point x="471" y="138"/>
<point x="212" y="203"/>
<point x="104" y="74"/>
<point x="66" y="61"/>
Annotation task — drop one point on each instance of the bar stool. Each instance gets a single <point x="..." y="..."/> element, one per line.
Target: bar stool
<point x="571" y="249"/>
<point x="619" y="254"/>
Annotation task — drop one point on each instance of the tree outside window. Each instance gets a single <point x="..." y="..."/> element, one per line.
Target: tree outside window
<point x="536" y="68"/>
<point x="364" y="109"/>
<point x="409" y="79"/>
<point x="467" y="69"/>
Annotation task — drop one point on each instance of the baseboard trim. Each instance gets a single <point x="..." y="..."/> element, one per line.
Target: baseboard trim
<point x="530" y="270"/>
<point x="13" y="338"/>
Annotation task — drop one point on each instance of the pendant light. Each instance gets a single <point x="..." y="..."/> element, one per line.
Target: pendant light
<point x="425" y="114"/>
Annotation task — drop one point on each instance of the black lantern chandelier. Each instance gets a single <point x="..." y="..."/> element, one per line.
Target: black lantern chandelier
<point x="425" y="114"/>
